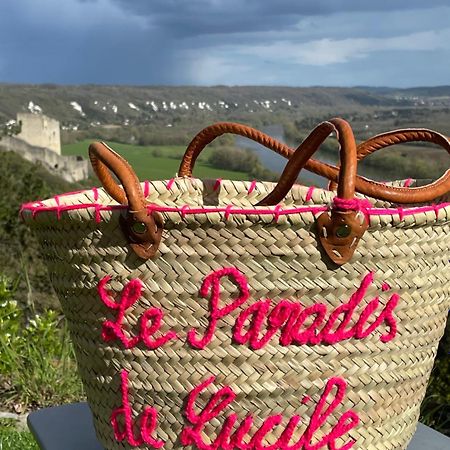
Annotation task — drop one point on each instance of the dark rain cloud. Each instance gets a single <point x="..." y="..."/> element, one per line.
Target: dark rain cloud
<point x="219" y="41"/>
<point x="198" y="17"/>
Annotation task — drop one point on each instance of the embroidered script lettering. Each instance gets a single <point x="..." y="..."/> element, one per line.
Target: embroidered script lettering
<point x="244" y="437"/>
<point x="129" y="296"/>
<point x="258" y="323"/>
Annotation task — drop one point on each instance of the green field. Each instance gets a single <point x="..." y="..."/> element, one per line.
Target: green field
<point x="161" y="167"/>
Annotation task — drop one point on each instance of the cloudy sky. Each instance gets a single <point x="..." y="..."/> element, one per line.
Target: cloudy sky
<point x="237" y="42"/>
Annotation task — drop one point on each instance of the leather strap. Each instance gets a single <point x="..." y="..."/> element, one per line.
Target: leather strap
<point x="339" y="231"/>
<point x="367" y="187"/>
<point x="208" y="134"/>
<point x="142" y="229"/>
<point x="303" y="153"/>
<point x="402" y="136"/>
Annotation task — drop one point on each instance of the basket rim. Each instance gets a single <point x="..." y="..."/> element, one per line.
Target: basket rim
<point x="57" y="205"/>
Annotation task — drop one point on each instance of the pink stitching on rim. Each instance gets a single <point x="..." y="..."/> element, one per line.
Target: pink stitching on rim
<point x="184" y="208"/>
<point x="228" y="211"/>
<point x="252" y="187"/>
<point x="217" y="184"/>
<point x="408" y="182"/>
<point x="170" y="184"/>
<point x="355" y="204"/>
<point x="309" y="194"/>
<point x="227" y="440"/>
<point x="129" y="296"/>
<point x="232" y="209"/>
<point x="276" y="213"/>
<point x="147" y="425"/>
<point x="436" y="210"/>
<point x="58" y="210"/>
<point x="98" y="217"/>
<point x="146" y="188"/>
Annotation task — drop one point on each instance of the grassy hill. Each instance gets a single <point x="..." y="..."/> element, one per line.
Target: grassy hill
<point x="157" y="162"/>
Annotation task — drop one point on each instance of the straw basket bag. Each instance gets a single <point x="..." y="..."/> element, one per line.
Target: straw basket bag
<point x="218" y="314"/>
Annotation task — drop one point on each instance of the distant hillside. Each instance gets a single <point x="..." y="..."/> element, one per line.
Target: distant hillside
<point x="93" y="105"/>
<point x="163" y="115"/>
<point x="122" y="105"/>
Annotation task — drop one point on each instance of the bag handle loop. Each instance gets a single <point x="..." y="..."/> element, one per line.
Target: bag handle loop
<point x="364" y="186"/>
<point x="422" y="194"/>
<point x="304" y="152"/>
<point x="208" y="134"/>
<point x="341" y="228"/>
<point x="142" y="229"/>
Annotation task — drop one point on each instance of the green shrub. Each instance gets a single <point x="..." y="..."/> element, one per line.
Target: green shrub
<point x="13" y="439"/>
<point x="231" y="158"/>
<point x="37" y="365"/>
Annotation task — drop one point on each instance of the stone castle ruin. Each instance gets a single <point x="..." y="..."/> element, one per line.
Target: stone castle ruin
<point x="40" y="131"/>
<point x="39" y="142"/>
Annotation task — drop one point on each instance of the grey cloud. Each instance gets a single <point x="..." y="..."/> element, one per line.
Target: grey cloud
<point x="201" y="17"/>
<point x="199" y="41"/>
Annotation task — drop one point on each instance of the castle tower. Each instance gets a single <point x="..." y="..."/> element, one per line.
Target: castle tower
<point x="40" y="131"/>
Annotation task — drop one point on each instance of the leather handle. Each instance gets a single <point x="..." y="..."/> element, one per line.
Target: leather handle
<point x="401" y="136"/>
<point x="298" y="161"/>
<point x="340" y="229"/>
<point x="367" y="187"/>
<point x="208" y="134"/>
<point x="143" y="230"/>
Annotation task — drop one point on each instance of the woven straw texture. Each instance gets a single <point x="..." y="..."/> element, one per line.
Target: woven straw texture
<point x="281" y="260"/>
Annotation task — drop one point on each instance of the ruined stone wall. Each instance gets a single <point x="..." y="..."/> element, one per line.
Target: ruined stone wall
<point x="40" y="131"/>
<point x="71" y="168"/>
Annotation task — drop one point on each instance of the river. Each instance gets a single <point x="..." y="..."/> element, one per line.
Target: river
<point x="273" y="161"/>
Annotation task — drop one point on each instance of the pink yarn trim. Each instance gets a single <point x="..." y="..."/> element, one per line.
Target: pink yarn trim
<point x="98" y="217"/>
<point x="217" y="184"/>
<point x="184" y="210"/>
<point x="58" y="210"/>
<point x="355" y="204"/>
<point x="244" y="438"/>
<point x="115" y="330"/>
<point x="147" y="425"/>
<point x="408" y="182"/>
<point x="230" y="209"/>
<point x="436" y="211"/>
<point x="277" y="213"/>
<point x="170" y="183"/>
<point x="252" y="186"/>
<point x="146" y="188"/>
<point x="309" y="194"/>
